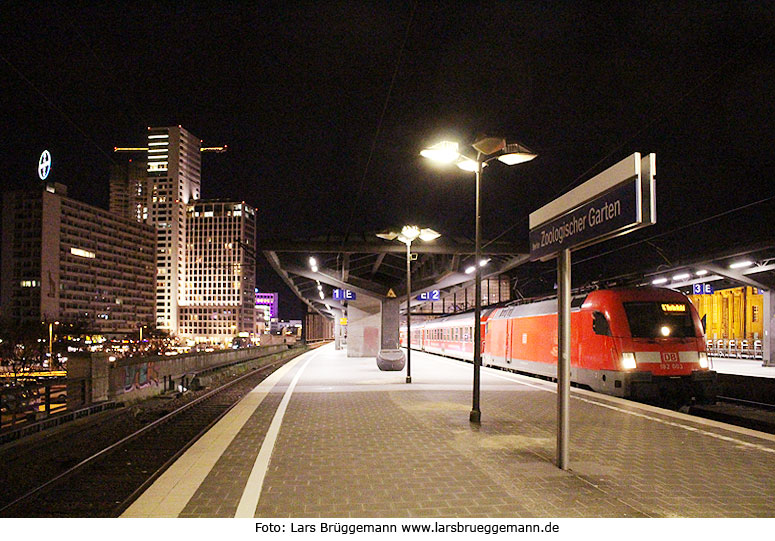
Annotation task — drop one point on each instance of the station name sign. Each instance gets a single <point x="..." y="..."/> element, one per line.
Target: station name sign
<point x="617" y="201"/>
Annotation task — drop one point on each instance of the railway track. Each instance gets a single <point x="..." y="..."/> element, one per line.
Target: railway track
<point x="100" y="470"/>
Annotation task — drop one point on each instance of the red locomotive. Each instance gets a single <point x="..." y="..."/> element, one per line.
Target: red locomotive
<point x="641" y="343"/>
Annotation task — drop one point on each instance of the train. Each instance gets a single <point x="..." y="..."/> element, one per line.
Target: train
<point x="645" y="344"/>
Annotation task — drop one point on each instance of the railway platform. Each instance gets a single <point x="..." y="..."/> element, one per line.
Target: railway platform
<point x="332" y="436"/>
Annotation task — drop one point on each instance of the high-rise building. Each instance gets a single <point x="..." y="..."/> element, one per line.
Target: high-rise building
<point x="174" y="179"/>
<point x="66" y="261"/>
<point x="203" y="249"/>
<point x="217" y="299"/>
<point x="129" y="188"/>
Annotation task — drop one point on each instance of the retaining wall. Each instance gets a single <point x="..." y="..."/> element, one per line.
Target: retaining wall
<point x="132" y="379"/>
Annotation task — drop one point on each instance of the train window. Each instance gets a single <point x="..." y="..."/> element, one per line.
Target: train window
<point x="659" y="320"/>
<point x="600" y="324"/>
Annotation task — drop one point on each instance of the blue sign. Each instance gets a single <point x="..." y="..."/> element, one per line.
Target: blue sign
<point x="616" y="211"/>
<point x="434" y="295"/>
<point x="344" y="295"/>
<point x="702" y="289"/>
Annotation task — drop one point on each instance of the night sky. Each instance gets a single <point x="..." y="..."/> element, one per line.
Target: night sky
<point x="326" y="105"/>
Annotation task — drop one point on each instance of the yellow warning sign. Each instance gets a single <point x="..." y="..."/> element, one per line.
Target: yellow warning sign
<point x="343" y="321"/>
<point x="391" y="294"/>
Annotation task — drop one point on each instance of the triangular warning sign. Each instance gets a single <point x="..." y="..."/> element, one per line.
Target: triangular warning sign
<point x="391" y="294"/>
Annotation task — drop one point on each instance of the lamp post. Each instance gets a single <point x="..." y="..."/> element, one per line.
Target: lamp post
<point x="510" y="154"/>
<point x="408" y="234"/>
<point x="51" y="344"/>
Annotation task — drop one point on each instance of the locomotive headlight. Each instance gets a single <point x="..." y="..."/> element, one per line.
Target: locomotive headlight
<point x="703" y="359"/>
<point x="665" y="330"/>
<point x="628" y="360"/>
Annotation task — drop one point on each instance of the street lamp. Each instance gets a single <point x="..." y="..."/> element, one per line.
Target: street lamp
<point x="408" y="234"/>
<point x="510" y="154"/>
<point x="51" y="344"/>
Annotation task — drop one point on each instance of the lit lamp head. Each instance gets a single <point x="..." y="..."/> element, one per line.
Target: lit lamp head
<point x="443" y="152"/>
<point x="508" y="153"/>
<point x="516" y="153"/>
<point x="410" y="233"/>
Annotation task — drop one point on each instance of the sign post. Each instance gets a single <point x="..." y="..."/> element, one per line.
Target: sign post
<point x="618" y="201"/>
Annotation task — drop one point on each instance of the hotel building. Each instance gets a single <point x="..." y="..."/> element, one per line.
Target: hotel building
<point x="67" y="261"/>
<point x="217" y="299"/>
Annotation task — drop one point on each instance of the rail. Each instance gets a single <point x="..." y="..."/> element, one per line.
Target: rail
<point x="110" y="449"/>
<point x="56" y="420"/>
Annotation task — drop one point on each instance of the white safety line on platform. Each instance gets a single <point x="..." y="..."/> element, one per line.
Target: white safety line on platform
<point x="687" y="427"/>
<point x="252" y="493"/>
<point x="597" y="399"/>
<point x="171" y="492"/>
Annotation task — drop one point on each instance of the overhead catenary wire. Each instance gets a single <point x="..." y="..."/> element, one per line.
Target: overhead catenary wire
<point x="57" y="109"/>
<point x="379" y="126"/>
<point x="661" y="115"/>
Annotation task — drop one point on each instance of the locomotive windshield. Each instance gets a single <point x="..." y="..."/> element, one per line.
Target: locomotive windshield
<point x="659" y="320"/>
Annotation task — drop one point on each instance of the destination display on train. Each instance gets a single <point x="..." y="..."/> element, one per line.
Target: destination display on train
<point x="616" y="210"/>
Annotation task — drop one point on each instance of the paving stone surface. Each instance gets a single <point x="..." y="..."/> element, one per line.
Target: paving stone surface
<point x="356" y="442"/>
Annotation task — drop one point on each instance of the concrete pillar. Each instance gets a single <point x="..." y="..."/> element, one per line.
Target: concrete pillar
<point x="363" y="323"/>
<point x="768" y="340"/>
<point x="337" y="334"/>
<point x="390" y="356"/>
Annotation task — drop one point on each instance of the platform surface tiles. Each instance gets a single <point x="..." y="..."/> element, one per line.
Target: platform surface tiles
<point x="332" y="436"/>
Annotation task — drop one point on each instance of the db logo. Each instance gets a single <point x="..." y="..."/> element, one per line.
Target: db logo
<point x="669" y="357"/>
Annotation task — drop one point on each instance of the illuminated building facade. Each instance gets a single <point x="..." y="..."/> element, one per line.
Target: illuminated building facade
<point x="217" y="299"/>
<point x="266" y="310"/>
<point x="67" y="261"/>
<point x="174" y="181"/>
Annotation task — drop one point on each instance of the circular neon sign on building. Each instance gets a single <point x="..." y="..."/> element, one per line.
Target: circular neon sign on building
<point x="44" y="165"/>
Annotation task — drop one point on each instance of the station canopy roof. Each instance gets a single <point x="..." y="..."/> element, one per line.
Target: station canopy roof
<point x="371" y="266"/>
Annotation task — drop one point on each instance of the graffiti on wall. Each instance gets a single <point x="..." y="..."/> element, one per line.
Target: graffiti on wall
<point x="140" y="376"/>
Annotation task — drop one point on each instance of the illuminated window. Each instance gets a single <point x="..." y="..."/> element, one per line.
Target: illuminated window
<point x="82" y="253"/>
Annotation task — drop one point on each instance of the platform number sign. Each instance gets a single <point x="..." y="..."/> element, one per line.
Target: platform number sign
<point x="344" y="295"/>
<point x="434" y="295"/>
<point x="702" y="289"/>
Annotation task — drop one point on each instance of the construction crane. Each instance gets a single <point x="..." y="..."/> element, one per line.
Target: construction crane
<point x="218" y="150"/>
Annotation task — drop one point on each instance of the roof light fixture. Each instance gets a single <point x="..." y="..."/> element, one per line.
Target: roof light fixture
<point x="741" y="264"/>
